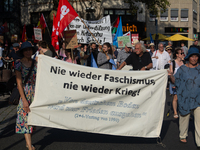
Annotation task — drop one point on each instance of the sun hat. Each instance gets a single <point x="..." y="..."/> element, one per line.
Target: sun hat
<point x="128" y="45"/>
<point x="25" y="45"/>
<point x="152" y="44"/>
<point x="192" y="51"/>
<point x="168" y="47"/>
<point x="134" y="42"/>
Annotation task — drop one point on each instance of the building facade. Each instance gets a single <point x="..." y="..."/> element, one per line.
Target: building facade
<point x="10" y="13"/>
<point x="31" y="11"/>
<point x="181" y="17"/>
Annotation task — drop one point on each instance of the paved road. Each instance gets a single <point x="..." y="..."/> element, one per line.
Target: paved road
<point x="57" y="139"/>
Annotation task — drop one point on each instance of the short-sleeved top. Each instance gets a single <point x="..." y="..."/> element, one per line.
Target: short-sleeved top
<point x="138" y="62"/>
<point x="48" y="53"/>
<point x="24" y="72"/>
<point x="122" y="55"/>
<point x="162" y="58"/>
<point x="187" y="82"/>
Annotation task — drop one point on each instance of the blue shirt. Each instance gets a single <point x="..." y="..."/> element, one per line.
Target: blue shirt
<point x="187" y="82"/>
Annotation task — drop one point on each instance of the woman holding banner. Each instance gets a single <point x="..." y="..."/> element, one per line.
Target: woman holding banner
<point x="187" y="79"/>
<point x="25" y="70"/>
<point x="104" y="57"/>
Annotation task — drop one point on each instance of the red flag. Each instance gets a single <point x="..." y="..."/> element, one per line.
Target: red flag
<point x="65" y="14"/>
<point x="55" y="23"/>
<point x="54" y="37"/>
<point x="24" y="37"/>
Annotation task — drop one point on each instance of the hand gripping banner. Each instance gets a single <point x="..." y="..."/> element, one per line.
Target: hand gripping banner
<point x="80" y="98"/>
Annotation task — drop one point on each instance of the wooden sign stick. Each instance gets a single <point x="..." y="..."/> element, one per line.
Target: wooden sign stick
<point x="89" y="30"/>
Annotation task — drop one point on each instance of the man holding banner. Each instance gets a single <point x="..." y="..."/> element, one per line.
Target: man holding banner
<point x="140" y="60"/>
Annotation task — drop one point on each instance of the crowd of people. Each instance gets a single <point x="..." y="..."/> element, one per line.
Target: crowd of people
<point x="183" y="73"/>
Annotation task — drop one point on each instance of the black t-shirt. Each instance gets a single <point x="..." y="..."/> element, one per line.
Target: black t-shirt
<point x="138" y="62"/>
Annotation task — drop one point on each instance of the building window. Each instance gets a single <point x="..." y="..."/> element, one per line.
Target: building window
<point x="124" y="13"/>
<point x="174" y="14"/>
<point x="8" y="5"/>
<point x="184" y="14"/>
<point x="105" y="12"/>
<point x="164" y="16"/>
<point x="194" y="15"/>
<point x="119" y="12"/>
<point x="152" y="17"/>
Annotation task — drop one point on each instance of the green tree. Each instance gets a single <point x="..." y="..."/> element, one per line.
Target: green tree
<point x="152" y="5"/>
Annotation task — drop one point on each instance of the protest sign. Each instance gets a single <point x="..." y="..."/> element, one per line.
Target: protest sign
<point x="122" y="40"/>
<point x="101" y="29"/>
<point x="80" y="98"/>
<point x="1" y="39"/>
<point x="70" y="39"/>
<point x="38" y="34"/>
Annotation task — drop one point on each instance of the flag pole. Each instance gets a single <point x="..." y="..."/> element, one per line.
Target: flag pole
<point x="89" y="30"/>
<point x="48" y="32"/>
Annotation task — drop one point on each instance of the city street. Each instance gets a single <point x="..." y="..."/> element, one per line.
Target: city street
<point x="50" y="138"/>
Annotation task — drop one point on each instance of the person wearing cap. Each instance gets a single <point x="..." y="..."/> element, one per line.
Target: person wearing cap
<point x="152" y="49"/>
<point x="123" y="54"/>
<point x="162" y="56"/>
<point x="140" y="59"/>
<point x="13" y="55"/>
<point x="186" y="81"/>
<point x="26" y="90"/>
<point x="169" y="50"/>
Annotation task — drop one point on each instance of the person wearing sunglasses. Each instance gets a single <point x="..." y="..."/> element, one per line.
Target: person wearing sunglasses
<point x="175" y="64"/>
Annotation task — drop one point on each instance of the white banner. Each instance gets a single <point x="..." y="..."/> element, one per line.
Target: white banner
<point x="80" y="98"/>
<point x="101" y="29"/>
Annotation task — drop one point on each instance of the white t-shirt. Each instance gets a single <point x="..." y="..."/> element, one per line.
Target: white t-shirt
<point x="162" y="59"/>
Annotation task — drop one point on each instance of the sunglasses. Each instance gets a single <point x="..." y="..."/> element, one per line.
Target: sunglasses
<point x="181" y="53"/>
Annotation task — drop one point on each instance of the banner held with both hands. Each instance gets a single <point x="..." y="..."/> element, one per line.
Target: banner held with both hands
<point x="80" y="98"/>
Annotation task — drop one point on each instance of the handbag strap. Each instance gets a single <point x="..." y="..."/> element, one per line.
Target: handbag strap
<point x="29" y="73"/>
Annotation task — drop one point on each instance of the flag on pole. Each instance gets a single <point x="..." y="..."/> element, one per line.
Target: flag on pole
<point x="42" y="23"/>
<point x="93" y="62"/>
<point x="114" y="67"/>
<point x="151" y="38"/>
<point x="65" y="14"/>
<point x="54" y="37"/>
<point x="24" y="37"/>
<point x="119" y="33"/>
<point x="114" y="29"/>
<point x="4" y="28"/>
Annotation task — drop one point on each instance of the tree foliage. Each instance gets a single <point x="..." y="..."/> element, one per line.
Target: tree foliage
<point x="152" y="5"/>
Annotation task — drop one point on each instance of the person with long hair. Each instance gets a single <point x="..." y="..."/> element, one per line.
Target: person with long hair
<point x="186" y="80"/>
<point x="69" y="57"/>
<point x="26" y="90"/>
<point x="175" y="64"/>
<point x="104" y="57"/>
